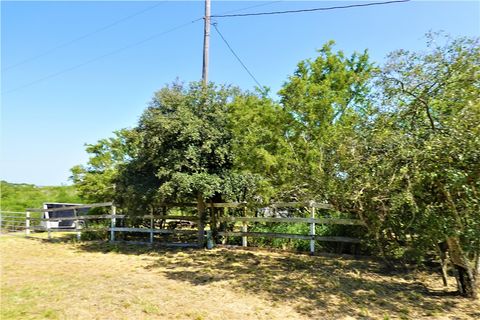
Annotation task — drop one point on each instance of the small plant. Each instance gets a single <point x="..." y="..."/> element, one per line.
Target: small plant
<point x="95" y="231"/>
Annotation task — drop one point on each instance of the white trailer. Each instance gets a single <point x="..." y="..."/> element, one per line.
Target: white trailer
<point x="55" y="217"/>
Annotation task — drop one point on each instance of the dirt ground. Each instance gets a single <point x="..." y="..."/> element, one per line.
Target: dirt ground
<point x="45" y="280"/>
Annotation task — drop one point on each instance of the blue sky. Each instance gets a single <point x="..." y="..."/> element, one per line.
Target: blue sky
<point x="79" y="93"/>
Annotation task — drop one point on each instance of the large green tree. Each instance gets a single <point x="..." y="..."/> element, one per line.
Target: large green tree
<point x="412" y="169"/>
<point x="399" y="147"/>
<point x="259" y="128"/>
<point x="322" y="99"/>
<point x="184" y="151"/>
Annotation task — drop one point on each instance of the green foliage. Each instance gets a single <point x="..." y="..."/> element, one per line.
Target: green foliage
<point x="412" y="167"/>
<point x="258" y="128"/>
<point x="184" y="150"/>
<point x="96" y="231"/>
<point x="323" y="99"/>
<point x="397" y="146"/>
<point x="290" y="244"/>
<point x="18" y="197"/>
<point x="95" y="181"/>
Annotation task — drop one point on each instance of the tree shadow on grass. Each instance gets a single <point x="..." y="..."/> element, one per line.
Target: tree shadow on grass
<point x="316" y="287"/>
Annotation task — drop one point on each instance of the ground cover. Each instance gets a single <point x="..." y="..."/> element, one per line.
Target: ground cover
<point x="59" y="280"/>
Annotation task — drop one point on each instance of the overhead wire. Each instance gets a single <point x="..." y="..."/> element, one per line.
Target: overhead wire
<point x="55" y="74"/>
<point x="308" y="10"/>
<point x="52" y="75"/>
<point x="254" y="6"/>
<point x="84" y="36"/>
<point x="236" y="55"/>
<point x="225" y="15"/>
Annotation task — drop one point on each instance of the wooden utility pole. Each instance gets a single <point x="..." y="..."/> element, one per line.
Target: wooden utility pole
<point x="206" y="42"/>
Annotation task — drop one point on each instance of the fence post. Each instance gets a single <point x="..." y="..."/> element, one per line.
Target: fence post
<point x="312" y="231"/>
<point x="79" y="233"/>
<point x="151" y="228"/>
<point x="225" y="213"/>
<point x="201" y="218"/>
<point x="48" y="226"/>
<point x="113" y="223"/>
<point x="213" y="223"/>
<point x="27" y="224"/>
<point x="244" y="229"/>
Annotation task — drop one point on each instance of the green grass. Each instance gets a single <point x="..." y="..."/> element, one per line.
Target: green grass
<point x="18" y="197"/>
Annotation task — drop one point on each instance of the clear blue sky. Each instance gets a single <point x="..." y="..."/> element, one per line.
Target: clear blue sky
<point x="83" y="96"/>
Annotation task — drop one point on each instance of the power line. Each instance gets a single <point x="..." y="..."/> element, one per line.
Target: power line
<point x="236" y="56"/>
<point x="254" y="6"/>
<point x="52" y="75"/>
<point x="171" y="30"/>
<point x="308" y="10"/>
<point x="55" y="74"/>
<point x="86" y="35"/>
<point x="244" y="8"/>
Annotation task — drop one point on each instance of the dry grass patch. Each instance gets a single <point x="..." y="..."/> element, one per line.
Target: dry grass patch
<point x="43" y="280"/>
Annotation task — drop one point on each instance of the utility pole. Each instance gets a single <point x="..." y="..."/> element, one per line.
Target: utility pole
<point x="206" y="43"/>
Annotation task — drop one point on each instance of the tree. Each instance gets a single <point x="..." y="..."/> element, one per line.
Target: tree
<point x="95" y="181"/>
<point x="259" y="145"/>
<point x="399" y="147"/>
<point x="412" y="169"/>
<point x="321" y="98"/>
<point x="185" y="149"/>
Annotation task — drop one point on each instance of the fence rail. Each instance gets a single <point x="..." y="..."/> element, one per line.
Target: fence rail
<point x="309" y="204"/>
<point x="294" y="220"/>
<point x="92" y="217"/>
<point x="12" y="221"/>
<point x="312" y="221"/>
<point x="154" y="223"/>
<point x="289" y="236"/>
<point x="155" y="231"/>
<point x="118" y="216"/>
<point x="82" y="206"/>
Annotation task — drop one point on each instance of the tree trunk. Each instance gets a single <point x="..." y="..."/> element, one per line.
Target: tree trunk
<point x="467" y="282"/>
<point x="465" y="278"/>
<point x="442" y="252"/>
<point x="201" y="220"/>
<point x="476" y="273"/>
<point x="383" y="255"/>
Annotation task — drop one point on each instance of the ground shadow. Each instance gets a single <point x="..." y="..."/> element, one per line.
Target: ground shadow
<point x="319" y="283"/>
<point x="316" y="286"/>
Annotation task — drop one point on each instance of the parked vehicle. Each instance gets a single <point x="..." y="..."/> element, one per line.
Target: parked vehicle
<point x="57" y="222"/>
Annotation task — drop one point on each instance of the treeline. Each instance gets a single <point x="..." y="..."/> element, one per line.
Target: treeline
<point x="20" y="196"/>
<point x="397" y="145"/>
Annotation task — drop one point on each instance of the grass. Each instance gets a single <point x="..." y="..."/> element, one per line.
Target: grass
<point x="18" y="196"/>
<point x="58" y="280"/>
